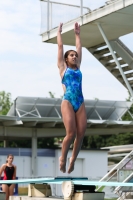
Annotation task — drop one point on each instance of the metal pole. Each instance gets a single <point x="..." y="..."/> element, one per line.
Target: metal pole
<point x="15" y="107"/>
<point x="81" y="7"/>
<point x="5" y="140"/>
<point x="48" y="15"/>
<point x="34" y="154"/>
<point x="123" y="3"/>
<point x="115" y="58"/>
<point x="118" y="166"/>
<point x="98" y="115"/>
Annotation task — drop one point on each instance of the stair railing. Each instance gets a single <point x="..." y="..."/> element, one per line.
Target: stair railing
<point x="120" y="165"/>
<point x="117" y="189"/>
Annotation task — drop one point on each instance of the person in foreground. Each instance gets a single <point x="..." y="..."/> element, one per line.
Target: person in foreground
<point x="9" y="174"/>
<point x="72" y="106"/>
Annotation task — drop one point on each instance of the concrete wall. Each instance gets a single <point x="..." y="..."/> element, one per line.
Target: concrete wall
<point x="90" y="163"/>
<point x="45" y="166"/>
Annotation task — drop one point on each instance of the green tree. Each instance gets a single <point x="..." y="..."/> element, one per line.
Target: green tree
<point x="5" y="105"/>
<point x="20" y="143"/>
<point x="52" y="95"/>
<point x="46" y="143"/>
<point x="5" y="102"/>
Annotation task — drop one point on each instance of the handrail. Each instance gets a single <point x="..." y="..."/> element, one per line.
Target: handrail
<point x="110" y="1"/>
<point x="117" y="189"/>
<point x="118" y="166"/>
<point x="66" y="4"/>
<point x="127" y="179"/>
<point x="49" y="11"/>
<point x="125" y="47"/>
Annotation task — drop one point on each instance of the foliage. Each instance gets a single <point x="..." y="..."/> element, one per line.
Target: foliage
<point x="20" y="143"/>
<point x="41" y="143"/>
<point x="46" y="143"/>
<point x="5" y="102"/>
<point x="1" y="143"/>
<point x="111" y="199"/>
<point x="99" y="141"/>
<point x="52" y="95"/>
<point x="101" y="188"/>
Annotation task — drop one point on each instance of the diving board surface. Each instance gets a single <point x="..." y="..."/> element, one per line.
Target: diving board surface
<point x="60" y="181"/>
<point x="115" y="18"/>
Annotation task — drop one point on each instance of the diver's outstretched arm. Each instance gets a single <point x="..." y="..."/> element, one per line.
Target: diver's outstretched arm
<point x="78" y="42"/>
<point x="60" y="59"/>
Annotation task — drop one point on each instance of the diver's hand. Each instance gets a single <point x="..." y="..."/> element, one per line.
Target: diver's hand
<point x="77" y="28"/>
<point x="60" y="27"/>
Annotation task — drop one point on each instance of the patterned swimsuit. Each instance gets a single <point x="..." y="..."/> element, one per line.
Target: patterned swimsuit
<point x="72" y="80"/>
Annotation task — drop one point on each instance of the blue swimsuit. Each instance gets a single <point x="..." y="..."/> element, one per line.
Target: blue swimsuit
<point x="72" y="79"/>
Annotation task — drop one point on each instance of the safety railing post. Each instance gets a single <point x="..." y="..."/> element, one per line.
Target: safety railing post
<point x="50" y="15"/>
<point x="47" y="15"/>
<point x="81" y="11"/>
<point x="123" y="3"/>
<point x="81" y="7"/>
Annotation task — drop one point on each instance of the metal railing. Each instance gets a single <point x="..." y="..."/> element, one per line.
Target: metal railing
<point x="112" y="1"/>
<point x="47" y="22"/>
<point x="119" y="188"/>
<point x="113" y="171"/>
<point x="49" y="10"/>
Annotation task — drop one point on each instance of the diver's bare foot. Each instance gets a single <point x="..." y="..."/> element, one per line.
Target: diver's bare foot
<point x="71" y="166"/>
<point x="62" y="164"/>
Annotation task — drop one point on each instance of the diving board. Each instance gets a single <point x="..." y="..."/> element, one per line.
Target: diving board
<point x="116" y="16"/>
<point x="61" y="180"/>
<point x="72" y="188"/>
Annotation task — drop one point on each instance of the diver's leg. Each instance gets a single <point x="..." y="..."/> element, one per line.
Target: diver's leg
<point x="68" y="115"/>
<point x="81" y="123"/>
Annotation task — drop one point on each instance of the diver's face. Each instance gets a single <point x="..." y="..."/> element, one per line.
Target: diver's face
<point x="72" y="58"/>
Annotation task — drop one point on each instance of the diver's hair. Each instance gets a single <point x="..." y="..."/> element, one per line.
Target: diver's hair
<point x="67" y="53"/>
<point x="8" y="156"/>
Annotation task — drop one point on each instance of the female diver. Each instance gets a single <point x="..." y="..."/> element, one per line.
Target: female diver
<point x="72" y="106"/>
<point x="9" y="174"/>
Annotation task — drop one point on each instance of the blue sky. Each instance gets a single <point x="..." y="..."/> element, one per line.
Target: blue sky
<point x="28" y="66"/>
